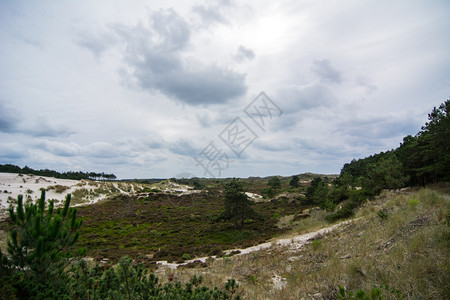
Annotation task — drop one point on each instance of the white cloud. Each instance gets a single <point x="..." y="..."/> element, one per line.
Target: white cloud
<point x="140" y="88"/>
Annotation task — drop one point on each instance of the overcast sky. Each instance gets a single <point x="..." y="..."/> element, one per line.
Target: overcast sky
<point x="161" y="88"/>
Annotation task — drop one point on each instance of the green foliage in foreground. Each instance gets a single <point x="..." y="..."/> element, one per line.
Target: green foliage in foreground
<point x="39" y="265"/>
<point x="37" y="247"/>
<point x="132" y="281"/>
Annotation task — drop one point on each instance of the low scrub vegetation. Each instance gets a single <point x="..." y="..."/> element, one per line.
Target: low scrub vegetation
<point x="164" y="227"/>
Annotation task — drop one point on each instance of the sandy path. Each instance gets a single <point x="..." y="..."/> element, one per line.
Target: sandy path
<point x="295" y="242"/>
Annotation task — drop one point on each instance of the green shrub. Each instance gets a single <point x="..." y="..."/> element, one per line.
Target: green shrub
<point x="413" y="202"/>
<point x="316" y="244"/>
<point x="382" y="213"/>
<point x="252" y="279"/>
<point x="345" y="212"/>
<point x="374" y="294"/>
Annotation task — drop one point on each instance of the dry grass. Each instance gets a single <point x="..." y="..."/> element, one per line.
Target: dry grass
<point x="405" y="255"/>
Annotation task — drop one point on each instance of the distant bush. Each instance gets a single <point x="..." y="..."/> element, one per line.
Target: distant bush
<point x="268" y="192"/>
<point x="58" y="188"/>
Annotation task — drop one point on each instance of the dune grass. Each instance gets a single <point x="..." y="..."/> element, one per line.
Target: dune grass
<point x="401" y="255"/>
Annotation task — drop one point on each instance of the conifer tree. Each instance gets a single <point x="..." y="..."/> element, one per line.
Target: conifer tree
<point x="38" y="244"/>
<point x="237" y="205"/>
<point x="274" y="183"/>
<point x="294" y="182"/>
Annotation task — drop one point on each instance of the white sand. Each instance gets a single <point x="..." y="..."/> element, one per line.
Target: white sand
<point x="12" y="184"/>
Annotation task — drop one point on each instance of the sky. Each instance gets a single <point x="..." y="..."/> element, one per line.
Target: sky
<point x="160" y="89"/>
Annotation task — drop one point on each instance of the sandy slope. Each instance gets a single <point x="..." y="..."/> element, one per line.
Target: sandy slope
<point x="12" y="184"/>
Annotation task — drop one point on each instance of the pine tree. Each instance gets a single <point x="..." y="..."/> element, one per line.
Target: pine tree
<point x="38" y="245"/>
<point x="274" y="183"/>
<point x="237" y="205"/>
<point x="294" y="182"/>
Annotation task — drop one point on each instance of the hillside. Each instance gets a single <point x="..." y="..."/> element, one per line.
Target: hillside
<point x="397" y="245"/>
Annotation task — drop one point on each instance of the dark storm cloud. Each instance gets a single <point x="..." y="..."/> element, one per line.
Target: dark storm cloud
<point x="154" y="54"/>
<point x="325" y="70"/>
<point x="244" y="54"/>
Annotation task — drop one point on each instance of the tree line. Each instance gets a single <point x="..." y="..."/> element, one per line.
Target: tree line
<point x="419" y="160"/>
<point x="9" y="168"/>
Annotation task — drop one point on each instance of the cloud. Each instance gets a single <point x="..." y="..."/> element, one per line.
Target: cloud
<point x="244" y="54"/>
<point x="184" y="147"/>
<point x="43" y="126"/>
<point x="61" y="149"/>
<point x="379" y="127"/>
<point x="12" y="151"/>
<point x="345" y="91"/>
<point x="272" y="145"/>
<point x="154" y="60"/>
<point x="8" y="118"/>
<point x="212" y="14"/>
<point x="295" y="98"/>
<point x="326" y="71"/>
<point x="367" y="84"/>
<point x="96" y="41"/>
